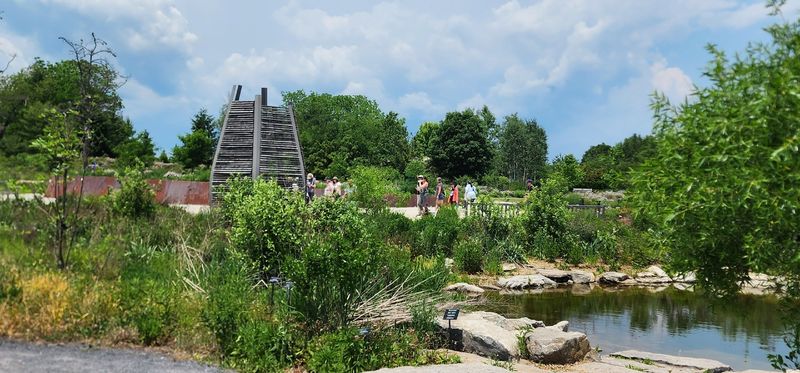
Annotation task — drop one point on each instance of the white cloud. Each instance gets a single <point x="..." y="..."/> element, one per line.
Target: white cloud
<point x="154" y="22"/>
<point x="141" y="100"/>
<point x="419" y="101"/>
<point x="671" y="81"/>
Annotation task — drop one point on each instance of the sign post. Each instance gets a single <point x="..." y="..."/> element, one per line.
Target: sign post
<point x="450" y="314"/>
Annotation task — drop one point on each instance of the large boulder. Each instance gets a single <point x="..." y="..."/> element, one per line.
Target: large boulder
<point x="525" y="282"/>
<point x="463" y="287"/>
<point x="556" y="275"/>
<point x="553" y="346"/>
<point x="688" y="277"/>
<point x="613" y="278"/>
<point x="488" y="334"/>
<point x="582" y="277"/>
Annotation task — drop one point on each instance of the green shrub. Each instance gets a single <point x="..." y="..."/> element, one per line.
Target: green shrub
<point x="264" y="346"/>
<point x="545" y="211"/>
<point x="437" y="234"/>
<point x="148" y="293"/>
<point x="392" y="227"/>
<point x="468" y="256"/>
<point x="267" y="222"/>
<point x="229" y="297"/>
<point x="372" y="185"/>
<point x="135" y="199"/>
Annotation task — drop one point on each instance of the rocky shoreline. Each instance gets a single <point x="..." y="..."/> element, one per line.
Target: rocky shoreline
<point x="528" y="278"/>
<point x="489" y="342"/>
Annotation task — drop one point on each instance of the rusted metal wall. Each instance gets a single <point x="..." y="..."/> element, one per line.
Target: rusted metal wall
<point x="167" y="191"/>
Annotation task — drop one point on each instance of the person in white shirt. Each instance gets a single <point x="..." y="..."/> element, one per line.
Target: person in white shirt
<point x="470" y="193"/>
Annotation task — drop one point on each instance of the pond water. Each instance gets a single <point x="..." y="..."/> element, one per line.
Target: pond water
<point x="740" y="332"/>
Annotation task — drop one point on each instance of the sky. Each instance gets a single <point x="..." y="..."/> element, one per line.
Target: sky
<point x="584" y="69"/>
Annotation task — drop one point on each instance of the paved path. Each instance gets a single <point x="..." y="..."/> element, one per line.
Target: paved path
<point x="24" y="357"/>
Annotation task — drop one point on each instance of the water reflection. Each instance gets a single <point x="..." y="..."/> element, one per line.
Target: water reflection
<point x="740" y="331"/>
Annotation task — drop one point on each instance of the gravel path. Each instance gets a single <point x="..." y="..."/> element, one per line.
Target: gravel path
<point x="28" y="357"/>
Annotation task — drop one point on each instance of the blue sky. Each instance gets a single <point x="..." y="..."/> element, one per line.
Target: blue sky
<point x="583" y="68"/>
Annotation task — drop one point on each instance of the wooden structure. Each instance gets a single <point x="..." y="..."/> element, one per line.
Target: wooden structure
<point x="257" y="140"/>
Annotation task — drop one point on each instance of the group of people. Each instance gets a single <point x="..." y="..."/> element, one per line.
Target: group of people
<point x="333" y="188"/>
<point x="443" y="195"/>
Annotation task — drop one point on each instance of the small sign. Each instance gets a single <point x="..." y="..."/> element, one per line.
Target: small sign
<point x="288" y="284"/>
<point x="274" y="280"/>
<point x="451" y="313"/>
<point x="363" y="331"/>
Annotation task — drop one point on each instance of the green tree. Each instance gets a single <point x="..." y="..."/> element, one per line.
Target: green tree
<point x="197" y="147"/>
<point x="61" y="145"/>
<point x="522" y="149"/>
<point x="597" y="162"/>
<point x="722" y="183"/>
<point x="138" y="149"/>
<point x="202" y="121"/>
<point x="461" y="146"/>
<point x="338" y="132"/>
<point x="567" y="168"/>
<point x="421" y="142"/>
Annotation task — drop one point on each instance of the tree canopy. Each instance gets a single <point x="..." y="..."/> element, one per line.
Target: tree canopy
<point x="28" y="94"/>
<point x="722" y="183"/>
<point x="338" y="132"/>
<point x="197" y="147"/>
<point x="461" y="145"/>
<point x="522" y="149"/>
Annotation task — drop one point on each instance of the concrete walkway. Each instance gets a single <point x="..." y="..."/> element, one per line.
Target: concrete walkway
<point x="23" y="357"/>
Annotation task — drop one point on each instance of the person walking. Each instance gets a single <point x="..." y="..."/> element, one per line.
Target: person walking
<point x="439" y="192"/>
<point x="422" y="194"/>
<point x="328" y="191"/>
<point x="470" y="193"/>
<point x="453" y="200"/>
<point x="529" y="186"/>
<point x="311" y="184"/>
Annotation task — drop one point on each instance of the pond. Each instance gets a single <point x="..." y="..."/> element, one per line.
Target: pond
<point x="740" y="332"/>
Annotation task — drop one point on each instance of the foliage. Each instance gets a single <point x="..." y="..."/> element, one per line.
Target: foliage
<point x="607" y="167"/>
<point x="266" y="222"/>
<point x="422" y="142"/>
<point x="339" y="132"/>
<point x="468" y="255"/>
<point x="138" y="148"/>
<point x="135" y="198"/>
<point x="46" y="86"/>
<point x="61" y="146"/>
<point x="567" y="168"/>
<point x="721" y="183"/>
<point x="461" y="146"/>
<point x="197" y="147"/>
<point x="437" y="235"/>
<point x="523" y="149"/>
<point x="372" y="185"/>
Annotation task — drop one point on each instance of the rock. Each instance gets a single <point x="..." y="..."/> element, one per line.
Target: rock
<point x="653" y="275"/>
<point x="613" y="278"/>
<point x="445" y="368"/>
<point x="448" y="262"/>
<point x="556" y="275"/>
<point x="682" y="286"/>
<point x="525" y="282"/>
<point x="508" y="267"/>
<point x="561" y="325"/>
<point x="629" y="282"/>
<point x="581" y="277"/>
<point x="172" y="174"/>
<point x="553" y="346"/>
<point x="489" y="287"/>
<point x="463" y="287"/>
<point x="656" y="270"/>
<point x="706" y="365"/>
<point x="488" y="334"/>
